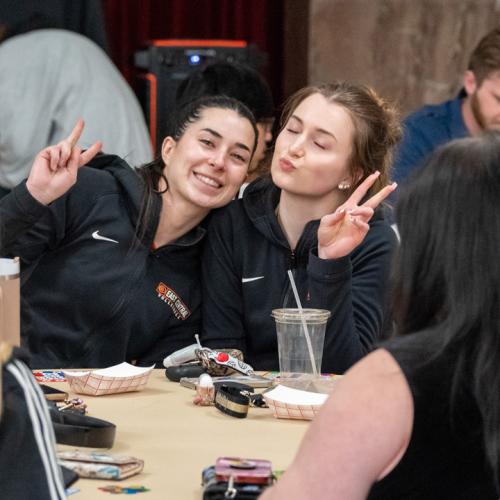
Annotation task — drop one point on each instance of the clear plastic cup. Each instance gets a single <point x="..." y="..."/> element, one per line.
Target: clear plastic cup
<point x="296" y="369"/>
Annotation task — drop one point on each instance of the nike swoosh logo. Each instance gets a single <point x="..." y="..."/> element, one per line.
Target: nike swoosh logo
<point x="247" y="280"/>
<point x="97" y="236"/>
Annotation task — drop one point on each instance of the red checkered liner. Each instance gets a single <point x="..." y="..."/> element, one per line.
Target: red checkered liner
<point x="113" y="380"/>
<point x="286" y="402"/>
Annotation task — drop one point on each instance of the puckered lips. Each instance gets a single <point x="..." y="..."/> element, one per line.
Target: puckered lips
<point x="286" y="165"/>
<point x="211" y="182"/>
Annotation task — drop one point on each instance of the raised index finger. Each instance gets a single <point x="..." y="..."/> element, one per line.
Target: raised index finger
<point x="362" y="189"/>
<point x="377" y="198"/>
<point x="76" y="133"/>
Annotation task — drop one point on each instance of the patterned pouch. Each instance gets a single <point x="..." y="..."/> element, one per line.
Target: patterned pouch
<point x="95" y="465"/>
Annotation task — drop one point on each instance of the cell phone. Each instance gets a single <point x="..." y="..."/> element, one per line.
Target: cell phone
<point x="52" y="394"/>
<point x="244" y="470"/>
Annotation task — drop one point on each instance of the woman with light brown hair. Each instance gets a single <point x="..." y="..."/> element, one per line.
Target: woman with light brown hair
<point x="319" y="217"/>
<point x="419" y="418"/>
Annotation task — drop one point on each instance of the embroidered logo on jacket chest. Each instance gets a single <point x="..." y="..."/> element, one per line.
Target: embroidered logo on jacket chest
<point x="170" y="297"/>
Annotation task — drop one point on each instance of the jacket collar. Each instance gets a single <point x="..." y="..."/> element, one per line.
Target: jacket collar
<point x="260" y="200"/>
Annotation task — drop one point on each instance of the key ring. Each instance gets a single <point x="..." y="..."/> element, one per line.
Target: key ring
<point x="75" y="404"/>
<point x="231" y="491"/>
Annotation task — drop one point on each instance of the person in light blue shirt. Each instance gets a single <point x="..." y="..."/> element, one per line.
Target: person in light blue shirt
<point x="475" y="109"/>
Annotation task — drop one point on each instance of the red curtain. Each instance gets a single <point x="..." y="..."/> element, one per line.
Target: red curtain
<point x="131" y="23"/>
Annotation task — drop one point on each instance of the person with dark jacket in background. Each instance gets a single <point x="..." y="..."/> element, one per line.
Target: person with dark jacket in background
<point x="110" y="261"/>
<point x="329" y="171"/>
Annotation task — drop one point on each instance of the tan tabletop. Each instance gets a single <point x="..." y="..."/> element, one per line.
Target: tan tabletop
<point x="177" y="439"/>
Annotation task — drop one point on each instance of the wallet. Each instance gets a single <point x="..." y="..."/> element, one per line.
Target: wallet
<point x="95" y="465"/>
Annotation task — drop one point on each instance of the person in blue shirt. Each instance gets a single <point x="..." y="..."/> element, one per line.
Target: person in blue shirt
<point x="474" y="109"/>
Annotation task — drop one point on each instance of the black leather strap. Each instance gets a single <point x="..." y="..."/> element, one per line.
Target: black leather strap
<point x="78" y="430"/>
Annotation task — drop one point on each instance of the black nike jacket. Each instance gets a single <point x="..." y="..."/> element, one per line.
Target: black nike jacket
<point x="245" y="265"/>
<point x="90" y="297"/>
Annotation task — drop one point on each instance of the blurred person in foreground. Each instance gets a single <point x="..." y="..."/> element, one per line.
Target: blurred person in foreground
<point x="419" y="417"/>
<point x="28" y="462"/>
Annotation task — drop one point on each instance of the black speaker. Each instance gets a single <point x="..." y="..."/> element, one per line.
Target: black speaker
<point x="165" y="63"/>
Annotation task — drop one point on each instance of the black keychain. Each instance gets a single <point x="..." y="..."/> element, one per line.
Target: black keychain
<point x="233" y="398"/>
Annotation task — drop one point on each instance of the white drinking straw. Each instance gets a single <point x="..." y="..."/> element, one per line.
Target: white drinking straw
<point x="304" y="324"/>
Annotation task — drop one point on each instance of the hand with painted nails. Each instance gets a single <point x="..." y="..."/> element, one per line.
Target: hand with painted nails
<point x="55" y="168"/>
<point x="341" y="232"/>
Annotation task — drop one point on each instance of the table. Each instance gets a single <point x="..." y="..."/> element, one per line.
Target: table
<point x="177" y="439"/>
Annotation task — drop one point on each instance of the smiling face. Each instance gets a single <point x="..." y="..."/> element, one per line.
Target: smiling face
<point x="208" y="164"/>
<point x="312" y="152"/>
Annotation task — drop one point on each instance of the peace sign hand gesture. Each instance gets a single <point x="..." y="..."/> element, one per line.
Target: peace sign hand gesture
<point x="341" y="232"/>
<point x="55" y="168"/>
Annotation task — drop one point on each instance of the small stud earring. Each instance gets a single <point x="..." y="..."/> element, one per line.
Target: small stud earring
<point x="344" y="185"/>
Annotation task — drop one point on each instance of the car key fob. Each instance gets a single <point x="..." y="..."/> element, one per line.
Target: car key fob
<point x="175" y="373"/>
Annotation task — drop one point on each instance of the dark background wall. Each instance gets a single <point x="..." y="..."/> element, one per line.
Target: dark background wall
<point x="132" y="23"/>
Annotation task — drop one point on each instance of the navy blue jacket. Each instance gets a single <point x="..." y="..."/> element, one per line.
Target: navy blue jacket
<point x="245" y="241"/>
<point x="91" y="296"/>
<point x="425" y="130"/>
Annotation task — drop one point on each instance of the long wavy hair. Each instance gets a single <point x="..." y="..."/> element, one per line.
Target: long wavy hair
<point x="152" y="173"/>
<point x="447" y="277"/>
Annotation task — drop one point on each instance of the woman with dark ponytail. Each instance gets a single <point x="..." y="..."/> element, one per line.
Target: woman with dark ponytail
<point x="420" y="417"/>
<point x="110" y="255"/>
